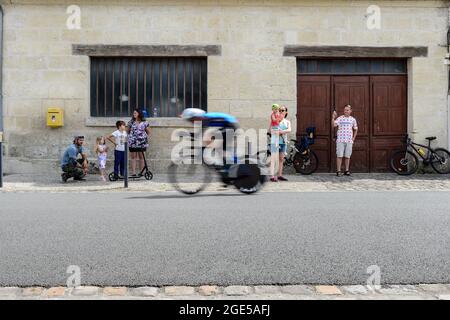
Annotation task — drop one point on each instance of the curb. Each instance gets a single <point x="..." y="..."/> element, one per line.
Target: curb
<point x="285" y="292"/>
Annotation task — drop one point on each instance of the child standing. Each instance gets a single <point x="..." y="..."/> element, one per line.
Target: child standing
<point x="102" y="152"/>
<point x="120" y="136"/>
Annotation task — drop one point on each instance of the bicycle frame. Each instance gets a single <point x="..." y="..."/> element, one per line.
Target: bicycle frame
<point x="411" y="144"/>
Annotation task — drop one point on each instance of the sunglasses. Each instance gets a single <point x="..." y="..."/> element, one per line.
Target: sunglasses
<point x="282" y="110"/>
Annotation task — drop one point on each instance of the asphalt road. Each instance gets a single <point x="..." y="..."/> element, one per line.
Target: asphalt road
<point x="139" y="239"/>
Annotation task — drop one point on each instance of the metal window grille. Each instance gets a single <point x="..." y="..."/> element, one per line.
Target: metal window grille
<point x="164" y="85"/>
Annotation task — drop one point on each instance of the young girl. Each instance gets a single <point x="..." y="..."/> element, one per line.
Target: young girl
<point x="102" y="151"/>
<point x="275" y="117"/>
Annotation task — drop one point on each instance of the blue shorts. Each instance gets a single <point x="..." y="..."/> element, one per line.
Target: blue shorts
<point x="281" y="148"/>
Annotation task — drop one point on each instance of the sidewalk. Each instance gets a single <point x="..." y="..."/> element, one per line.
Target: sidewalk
<point x="296" y="183"/>
<point x="212" y="292"/>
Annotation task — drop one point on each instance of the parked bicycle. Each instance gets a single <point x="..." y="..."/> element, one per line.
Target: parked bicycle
<point x="299" y="154"/>
<point x="406" y="162"/>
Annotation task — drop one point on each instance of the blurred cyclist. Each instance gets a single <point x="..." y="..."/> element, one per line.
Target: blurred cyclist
<point x="220" y="121"/>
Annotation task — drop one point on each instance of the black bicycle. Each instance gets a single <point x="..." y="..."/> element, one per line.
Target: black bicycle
<point x="299" y="154"/>
<point x="406" y="162"/>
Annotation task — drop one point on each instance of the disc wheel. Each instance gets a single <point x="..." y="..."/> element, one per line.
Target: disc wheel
<point x="440" y="161"/>
<point x="189" y="178"/>
<point x="404" y="163"/>
<point x="249" y="179"/>
<point x="306" y="163"/>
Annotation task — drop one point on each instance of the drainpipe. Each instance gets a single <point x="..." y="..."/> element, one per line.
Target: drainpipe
<point x="448" y="88"/>
<point x="448" y="91"/>
<point x="1" y="97"/>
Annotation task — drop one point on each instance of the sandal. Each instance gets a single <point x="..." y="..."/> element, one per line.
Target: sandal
<point x="281" y="178"/>
<point x="347" y="173"/>
<point x="339" y="173"/>
<point x="273" y="179"/>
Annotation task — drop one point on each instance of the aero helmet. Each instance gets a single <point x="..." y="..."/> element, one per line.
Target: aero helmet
<point x="190" y="113"/>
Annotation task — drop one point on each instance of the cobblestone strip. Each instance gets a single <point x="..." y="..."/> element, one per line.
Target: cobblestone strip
<point x="304" y="292"/>
<point x="296" y="183"/>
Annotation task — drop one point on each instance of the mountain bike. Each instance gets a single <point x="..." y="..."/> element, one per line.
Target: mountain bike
<point x="406" y="162"/>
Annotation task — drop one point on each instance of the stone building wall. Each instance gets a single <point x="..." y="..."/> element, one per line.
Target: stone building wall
<point x="40" y="70"/>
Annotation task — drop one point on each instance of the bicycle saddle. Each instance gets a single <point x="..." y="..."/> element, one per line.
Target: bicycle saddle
<point x="430" y="138"/>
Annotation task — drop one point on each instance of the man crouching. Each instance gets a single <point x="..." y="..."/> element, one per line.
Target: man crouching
<point x="70" y="165"/>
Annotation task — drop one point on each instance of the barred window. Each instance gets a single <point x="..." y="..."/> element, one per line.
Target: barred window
<point x="163" y="87"/>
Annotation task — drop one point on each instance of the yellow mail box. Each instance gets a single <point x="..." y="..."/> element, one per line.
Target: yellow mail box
<point x="55" y="117"/>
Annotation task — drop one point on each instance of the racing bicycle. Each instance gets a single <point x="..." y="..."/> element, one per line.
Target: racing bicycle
<point x="190" y="173"/>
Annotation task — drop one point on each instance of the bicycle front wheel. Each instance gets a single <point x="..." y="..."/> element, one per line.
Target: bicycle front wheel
<point x="306" y="164"/>
<point x="404" y="163"/>
<point x="189" y="178"/>
<point x="440" y="160"/>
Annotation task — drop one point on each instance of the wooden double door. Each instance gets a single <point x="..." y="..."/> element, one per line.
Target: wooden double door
<point x="379" y="105"/>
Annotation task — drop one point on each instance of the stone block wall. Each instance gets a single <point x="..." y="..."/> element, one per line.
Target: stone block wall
<point x="40" y="70"/>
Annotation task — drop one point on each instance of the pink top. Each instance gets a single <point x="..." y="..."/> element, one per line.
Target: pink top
<point x="275" y="119"/>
